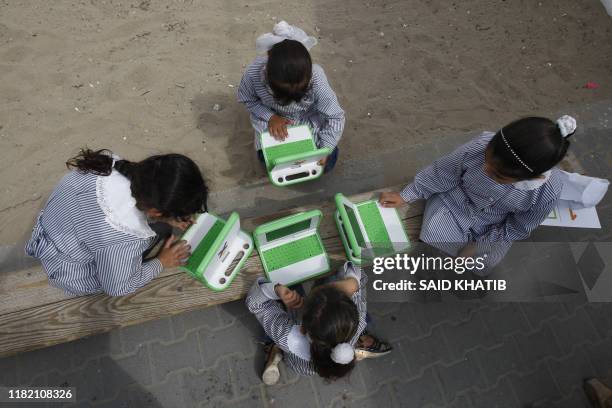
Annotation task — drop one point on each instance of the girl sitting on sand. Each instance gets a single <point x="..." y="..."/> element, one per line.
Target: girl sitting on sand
<point x="333" y="322"/>
<point x="491" y="191"/>
<point x="93" y="232"/>
<point x="285" y="88"/>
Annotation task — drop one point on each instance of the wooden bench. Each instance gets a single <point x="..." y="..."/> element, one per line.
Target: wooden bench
<point x="35" y="315"/>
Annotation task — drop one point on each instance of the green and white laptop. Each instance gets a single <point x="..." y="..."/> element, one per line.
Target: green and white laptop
<point x="295" y="159"/>
<point x="218" y="250"/>
<point x="368" y="229"/>
<point x="291" y="249"/>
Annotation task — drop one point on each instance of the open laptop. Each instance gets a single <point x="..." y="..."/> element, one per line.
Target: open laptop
<point x="291" y="249"/>
<point x="368" y="229"/>
<point x="295" y="159"/>
<point x="218" y="250"/>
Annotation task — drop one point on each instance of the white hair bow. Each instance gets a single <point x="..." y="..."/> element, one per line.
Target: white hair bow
<point x="283" y="31"/>
<point x="567" y="125"/>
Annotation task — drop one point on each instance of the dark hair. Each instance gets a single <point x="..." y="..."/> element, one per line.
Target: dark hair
<point x="170" y="183"/>
<point x="289" y="71"/>
<point x="536" y="141"/>
<point x="330" y="317"/>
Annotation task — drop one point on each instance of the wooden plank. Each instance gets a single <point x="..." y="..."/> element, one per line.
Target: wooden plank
<point x="35" y="315"/>
<point x="24" y="289"/>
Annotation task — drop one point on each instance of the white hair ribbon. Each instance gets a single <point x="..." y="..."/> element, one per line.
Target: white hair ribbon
<point x="567" y="125"/>
<point x="343" y="353"/>
<point x="283" y="31"/>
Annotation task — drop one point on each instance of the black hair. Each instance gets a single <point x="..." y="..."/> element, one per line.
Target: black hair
<point x="536" y="141"/>
<point x="170" y="183"/>
<point x="330" y="317"/>
<point x="288" y="71"/>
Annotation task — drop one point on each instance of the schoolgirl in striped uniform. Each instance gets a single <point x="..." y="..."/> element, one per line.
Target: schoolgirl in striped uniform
<point x="493" y="190"/>
<point x="331" y="327"/>
<point x="284" y="87"/>
<point x="92" y="233"/>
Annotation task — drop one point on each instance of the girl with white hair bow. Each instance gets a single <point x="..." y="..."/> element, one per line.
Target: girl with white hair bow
<point x="283" y="87"/>
<point x="492" y="191"/>
<point x="322" y="333"/>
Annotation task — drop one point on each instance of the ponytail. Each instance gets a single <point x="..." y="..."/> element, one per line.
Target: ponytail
<point x="170" y="183"/>
<point x="98" y="162"/>
<point x="331" y="319"/>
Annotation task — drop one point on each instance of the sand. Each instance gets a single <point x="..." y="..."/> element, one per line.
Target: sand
<point x="142" y="77"/>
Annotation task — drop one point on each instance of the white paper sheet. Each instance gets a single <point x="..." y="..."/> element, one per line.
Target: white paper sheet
<point x="564" y="215"/>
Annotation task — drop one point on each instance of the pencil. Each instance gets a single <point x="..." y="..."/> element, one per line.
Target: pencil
<point x="572" y="214"/>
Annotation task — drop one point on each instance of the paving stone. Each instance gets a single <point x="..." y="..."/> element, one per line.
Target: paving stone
<point x="170" y="393"/>
<point x="135" y="336"/>
<point x="429" y="315"/>
<point x="536" y="313"/>
<point x="253" y="400"/>
<point x="88" y="381"/>
<point x="92" y="347"/>
<point x="601" y="358"/>
<point x="537" y="345"/>
<point x="196" y="319"/>
<point x="505" y="321"/>
<point x="32" y="363"/>
<point x="392" y="365"/>
<point x="425" y="351"/>
<point x="460" y="376"/>
<point x="601" y="318"/>
<point x="201" y="387"/>
<point x="500" y="396"/>
<point x="460" y="402"/>
<point x="393" y="326"/>
<point x="498" y="361"/>
<point x="229" y="312"/>
<point x="297" y="395"/>
<point x="343" y="389"/>
<point x="246" y="374"/>
<point x="8" y="371"/>
<point x="122" y="372"/>
<point x="173" y="356"/>
<point x="383" y="308"/>
<point x="380" y="398"/>
<point x="467" y="335"/>
<point x="576" y="400"/>
<point x="570" y="371"/>
<point x="239" y="338"/>
<point x="538" y="386"/>
<point x="574" y="331"/>
<point x="418" y="392"/>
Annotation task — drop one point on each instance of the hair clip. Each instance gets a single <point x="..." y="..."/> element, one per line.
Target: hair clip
<point x="516" y="156"/>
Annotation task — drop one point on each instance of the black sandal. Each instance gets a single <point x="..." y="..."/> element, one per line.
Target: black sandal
<point x="376" y="349"/>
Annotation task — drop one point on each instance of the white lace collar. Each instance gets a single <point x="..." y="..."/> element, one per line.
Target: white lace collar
<point x="526" y="185"/>
<point x="298" y="343"/>
<point x="115" y="198"/>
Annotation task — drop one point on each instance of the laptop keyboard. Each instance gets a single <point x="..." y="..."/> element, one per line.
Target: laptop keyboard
<point x="293" y="252"/>
<point x="373" y="223"/>
<point x="287" y="149"/>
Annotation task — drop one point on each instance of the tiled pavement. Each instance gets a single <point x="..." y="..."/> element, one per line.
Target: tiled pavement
<point x="466" y="355"/>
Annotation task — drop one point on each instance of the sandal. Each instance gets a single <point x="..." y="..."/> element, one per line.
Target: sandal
<point x="271" y="373"/>
<point x="376" y="349"/>
<point x="599" y="395"/>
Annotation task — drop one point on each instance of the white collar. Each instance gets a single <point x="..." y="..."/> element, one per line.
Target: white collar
<point x="114" y="196"/>
<point x="298" y="343"/>
<point x="526" y="185"/>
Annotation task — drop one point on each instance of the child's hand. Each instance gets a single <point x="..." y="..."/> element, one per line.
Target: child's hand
<point x="290" y="298"/>
<point x="174" y="253"/>
<point x="278" y="127"/>
<point x="180" y="224"/>
<point x="322" y="161"/>
<point x="391" y="200"/>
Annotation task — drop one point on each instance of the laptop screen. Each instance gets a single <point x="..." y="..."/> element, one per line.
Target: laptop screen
<point x="288" y="230"/>
<point x="355" y="225"/>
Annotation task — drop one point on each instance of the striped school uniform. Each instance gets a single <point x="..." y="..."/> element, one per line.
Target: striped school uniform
<point x="283" y="327"/>
<point x="465" y="205"/>
<point x="90" y="237"/>
<point x="319" y="108"/>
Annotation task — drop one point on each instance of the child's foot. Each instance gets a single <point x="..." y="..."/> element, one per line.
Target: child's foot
<point x="598" y="393"/>
<point x="271" y="374"/>
<point x="369" y="346"/>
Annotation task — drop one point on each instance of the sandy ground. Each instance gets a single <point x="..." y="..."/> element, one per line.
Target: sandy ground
<point x="141" y="77"/>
